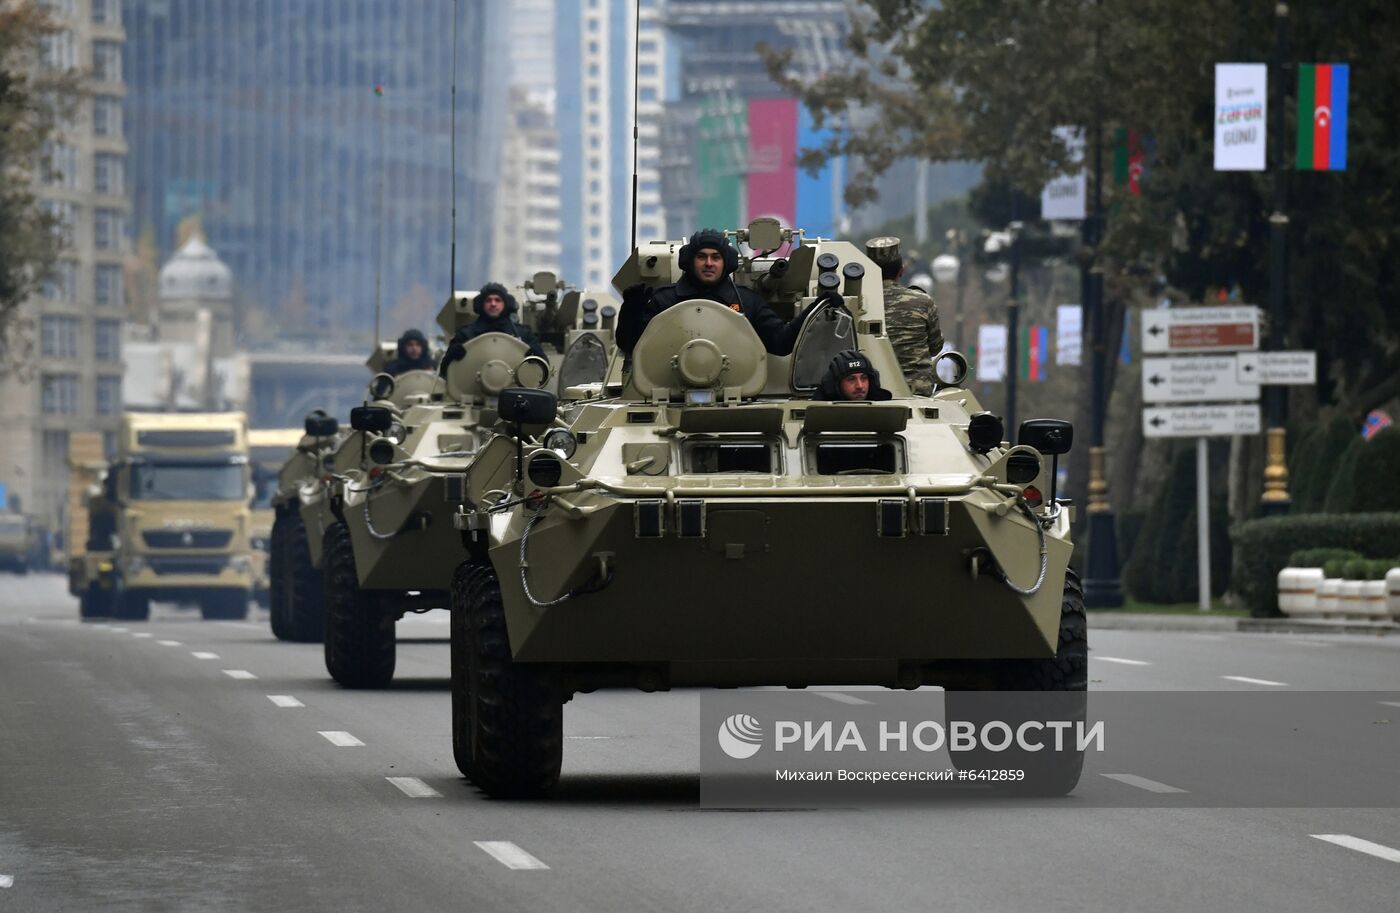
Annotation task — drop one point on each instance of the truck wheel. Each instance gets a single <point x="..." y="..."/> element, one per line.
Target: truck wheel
<point x="276" y="601"/>
<point x="507" y="717"/>
<point x="359" y="633"/>
<point x="230" y="605"/>
<point x="94" y="603"/>
<point x="303" y="602"/>
<point x="129" y="606"/>
<point x="1062" y="682"/>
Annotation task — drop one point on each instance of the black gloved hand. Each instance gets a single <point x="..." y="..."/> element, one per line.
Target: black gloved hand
<point x="636" y="295"/>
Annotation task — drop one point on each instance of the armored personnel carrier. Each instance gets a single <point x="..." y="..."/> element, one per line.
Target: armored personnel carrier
<point x="392" y="547"/>
<point x="301" y="509"/>
<point x="900" y="543"/>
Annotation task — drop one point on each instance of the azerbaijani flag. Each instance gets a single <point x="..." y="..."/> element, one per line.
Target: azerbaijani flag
<point x="1322" y="116"/>
<point x="1035" y="352"/>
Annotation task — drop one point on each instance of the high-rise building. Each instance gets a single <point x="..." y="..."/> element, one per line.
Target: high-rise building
<point x="594" y="66"/>
<point x="71" y="378"/>
<point x="313" y="142"/>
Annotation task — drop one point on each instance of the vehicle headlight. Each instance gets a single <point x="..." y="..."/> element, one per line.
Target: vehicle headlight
<point x="561" y="441"/>
<point x="397" y="433"/>
<point x="133" y="565"/>
<point x="260" y="544"/>
<point x="240" y="564"/>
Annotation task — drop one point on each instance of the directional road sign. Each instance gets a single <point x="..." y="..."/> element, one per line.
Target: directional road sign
<point x="1278" y="367"/>
<point x="1200" y="329"/>
<point x="1194" y="379"/>
<point x="1200" y="421"/>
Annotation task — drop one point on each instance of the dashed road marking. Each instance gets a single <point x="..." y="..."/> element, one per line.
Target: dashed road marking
<point x="1120" y="660"/>
<point x="1391" y="703"/>
<point x="242" y="674"/>
<point x="102" y="627"/>
<point x="842" y="697"/>
<point x="1254" y="681"/>
<point x="589" y="738"/>
<point x="119" y="630"/>
<point x="143" y="634"/>
<point x="169" y="643"/>
<point x="285" y="700"/>
<point x="199" y="655"/>
<point x="509" y="855"/>
<point x="414" y="788"/>
<point x="1312" y="643"/>
<point x="6" y="881"/>
<point x="341" y="739"/>
<point x="1380" y="851"/>
<point x="1151" y="786"/>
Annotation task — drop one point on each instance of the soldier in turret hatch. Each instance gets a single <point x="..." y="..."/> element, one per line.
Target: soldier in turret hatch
<point x="494" y="306"/>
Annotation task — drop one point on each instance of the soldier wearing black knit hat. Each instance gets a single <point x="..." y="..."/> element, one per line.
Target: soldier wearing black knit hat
<point x="707" y="264"/>
<point x="494" y="306"/>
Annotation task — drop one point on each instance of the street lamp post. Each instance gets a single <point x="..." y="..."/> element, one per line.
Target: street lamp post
<point x="948" y="269"/>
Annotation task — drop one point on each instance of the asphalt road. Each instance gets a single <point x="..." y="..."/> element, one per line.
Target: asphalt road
<point x="188" y="765"/>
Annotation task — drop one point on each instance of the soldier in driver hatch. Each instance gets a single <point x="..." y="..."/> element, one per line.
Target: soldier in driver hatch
<point x="413" y="354"/>
<point x="707" y="266"/>
<point x="911" y="318"/>
<point x="494" y="307"/>
<point x="853" y="378"/>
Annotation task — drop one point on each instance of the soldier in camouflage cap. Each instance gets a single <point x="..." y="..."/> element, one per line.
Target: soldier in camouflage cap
<point x="911" y="318"/>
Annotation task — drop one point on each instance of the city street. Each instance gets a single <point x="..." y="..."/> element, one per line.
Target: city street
<point x="189" y="765"/>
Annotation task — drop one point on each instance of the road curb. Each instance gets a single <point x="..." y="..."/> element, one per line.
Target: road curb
<point x="1318" y="626"/>
<point x="1148" y="621"/>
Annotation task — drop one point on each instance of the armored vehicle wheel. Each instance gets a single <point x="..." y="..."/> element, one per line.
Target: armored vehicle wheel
<point x="94" y="603"/>
<point x="224" y="605"/>
<point x="276" y="571"/>
<point x="1062" y="681"/>
<point x="507" y="717"/>
<point x="359" y="632"/>
<point x="303" y="603"/>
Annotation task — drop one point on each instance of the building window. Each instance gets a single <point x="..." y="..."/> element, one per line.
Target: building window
<point x="59" y="394"/>
<point x="66" y="214"/>
<point x="55" y="446"/>
<point x="58" y="165"/>
<point x="59" y="51"/>
<point x="108" y="340"/>
<point x="58" y="336"/>
<point x="107" y="173"/>
<point x="63" y="284"/>
<point x="646" y="47"/>
<point x="107" y="61"/>
<point x="107" y="285"/>
<point x="106" y="116"/>
<point x="646" y="95"/>
<point x="108" y="229"/>
<point x="107" y="12"/>
<point x="109" y="395"/>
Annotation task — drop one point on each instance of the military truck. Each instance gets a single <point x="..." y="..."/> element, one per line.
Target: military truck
<point x="901" y="543"/>
<point x="20" y="542"/>
<point x="392" y="547"/>
<point x="268" y="451"/>
<point x="170" y="519"/>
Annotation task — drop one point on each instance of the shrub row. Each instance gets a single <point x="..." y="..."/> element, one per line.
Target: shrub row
<point x="1163" y="564"/>
<point x="1265" y="546"/>
<point x="1358" y="568"/>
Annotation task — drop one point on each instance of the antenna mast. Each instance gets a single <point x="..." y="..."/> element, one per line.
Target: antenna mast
<point x="636" y="93"/>
<point x="452" y="271"/>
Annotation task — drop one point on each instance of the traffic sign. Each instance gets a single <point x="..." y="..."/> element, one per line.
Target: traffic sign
<point x="1278" y="367"/>
<point x="1200" y="329"/>
<point x="1200" y="421"/>
<point x="1194" y="379"/>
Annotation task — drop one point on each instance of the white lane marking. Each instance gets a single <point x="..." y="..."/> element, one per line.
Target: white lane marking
<point x="1206" y="636"/>
<point x="197" y="655"/>
<point x="285" y="700"/>
<point x="1116" y="659"/>
<point x="1151" y="786"/>
<point x="414" y="788"/>
<point x="242" y="624"/>
<point x="841" y="697"/>
<point x="1361" y="846"/>
<point x="1391" y="703"/>
<point x="1312" y="643"/>
<point x="589" y="738"/>
<point x="1254" y="681"/>
<point x="169" y="643"/>
<point x="243" y="674"/>
<point x="142" y="634"/>
<point x="509" y="855"/>
<point x="340" y="739"/>
<point x="119" y="630"/>
<point x="6" y="880"/>
<point x="102" y="627"/>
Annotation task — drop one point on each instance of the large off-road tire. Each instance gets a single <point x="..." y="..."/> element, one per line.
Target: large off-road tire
<point x="95" y="602"/>
<point x="224" y="605"/>
<point x="507" y="717"/>
<point x="1062" y="682"/>
<point x="360" y="643"/>
<point x="129" y="606"/>
<point x="303" y="590"/>
<point x="276" y="575"/>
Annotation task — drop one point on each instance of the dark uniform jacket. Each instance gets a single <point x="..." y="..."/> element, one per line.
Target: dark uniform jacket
<point x="484" y="324"/>
<point x="640" y="304"/>
<point x="401" y="363"/>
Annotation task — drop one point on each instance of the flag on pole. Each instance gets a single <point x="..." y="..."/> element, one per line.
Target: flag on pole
<point x="1037" y="352"/>
<point x="1322" y="116"/>
<point x="379" y="88"/>
<point x="1128" y="159"/>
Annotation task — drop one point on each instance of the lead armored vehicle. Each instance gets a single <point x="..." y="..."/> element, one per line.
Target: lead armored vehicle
<point x="900" y="543"/>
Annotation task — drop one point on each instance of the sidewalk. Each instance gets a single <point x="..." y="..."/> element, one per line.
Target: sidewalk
<point x="1151" y="621"/>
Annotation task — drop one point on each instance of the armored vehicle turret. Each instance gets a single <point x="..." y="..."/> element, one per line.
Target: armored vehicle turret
<point x="704" y="520"/>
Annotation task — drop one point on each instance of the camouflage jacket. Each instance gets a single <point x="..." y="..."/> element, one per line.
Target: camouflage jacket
<point x="911" y="322"/>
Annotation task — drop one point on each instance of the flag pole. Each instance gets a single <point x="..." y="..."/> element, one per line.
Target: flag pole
<point x="1275" y="499"/>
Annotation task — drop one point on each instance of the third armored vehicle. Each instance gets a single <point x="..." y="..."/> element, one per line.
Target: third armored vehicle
<point x="897" y="543"/>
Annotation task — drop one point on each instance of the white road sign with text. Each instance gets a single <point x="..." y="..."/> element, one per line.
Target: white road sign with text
<point x="1194" y="379"/>
<point x="1167" y="331"/>
<point x="1200" y="421"/>
<point x="1298" y="367"/>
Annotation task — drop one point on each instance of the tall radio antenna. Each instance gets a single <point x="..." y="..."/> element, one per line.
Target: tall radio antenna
<point x="452" y="271"/>
<point x="636" y="94"/>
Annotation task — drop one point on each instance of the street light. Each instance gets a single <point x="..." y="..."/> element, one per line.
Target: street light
<point x="1009" y="241"/>
<point x="947" y="268"/>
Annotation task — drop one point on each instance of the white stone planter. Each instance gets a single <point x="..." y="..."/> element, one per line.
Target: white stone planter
<point x="1373" y="599"/>
<point x="1297" y="590"/>
<point x="1329" y="592"/>
<point x="1351" y="598"/>
<point x="1392" y="592"/>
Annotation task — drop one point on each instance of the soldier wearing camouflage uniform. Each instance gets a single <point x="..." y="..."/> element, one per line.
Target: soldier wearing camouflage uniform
<point x="911" y="318"/>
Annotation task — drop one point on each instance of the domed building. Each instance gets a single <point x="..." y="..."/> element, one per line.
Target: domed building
<point x="195" y="280"/>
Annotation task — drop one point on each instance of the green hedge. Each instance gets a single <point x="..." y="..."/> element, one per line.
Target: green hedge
<point x="1376" y="476"/>
<point x="1162" y="567"/>
<point x="1358" y="568"/>
<point x="1341" y="491"/>
<point x="1318" y="557"/>
<point x="1312" y="465"/>
<point x="1263" y="547"/>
